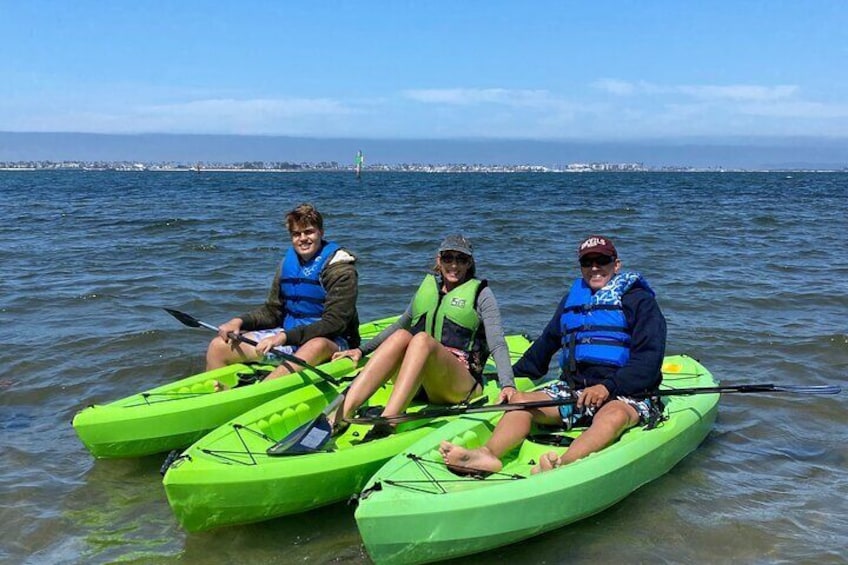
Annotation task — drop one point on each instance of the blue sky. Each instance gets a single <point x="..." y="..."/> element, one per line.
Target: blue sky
<point x="594" y="70"/>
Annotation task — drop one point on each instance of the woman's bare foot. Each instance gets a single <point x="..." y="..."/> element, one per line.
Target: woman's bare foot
<point x="547" y="462"/>
<point x="462" y="460"/>
<point x="337" y="424"/>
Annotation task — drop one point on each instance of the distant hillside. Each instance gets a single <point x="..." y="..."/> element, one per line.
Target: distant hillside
<point x="753" y="153"/>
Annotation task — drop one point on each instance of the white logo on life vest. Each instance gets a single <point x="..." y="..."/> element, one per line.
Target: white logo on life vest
<point x="313" y="264"/>
<point x="458" y="302"/>
<point x="593" y="242"/>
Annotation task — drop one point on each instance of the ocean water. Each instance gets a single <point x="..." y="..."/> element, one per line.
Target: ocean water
<point x="751" y="270"/>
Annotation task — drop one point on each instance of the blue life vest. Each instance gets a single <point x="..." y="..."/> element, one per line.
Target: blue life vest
<point x="593" y="326"/>
<point x="300" y="286"/>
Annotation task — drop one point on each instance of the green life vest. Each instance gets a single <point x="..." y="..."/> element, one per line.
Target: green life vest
<point x="451" y="319"/>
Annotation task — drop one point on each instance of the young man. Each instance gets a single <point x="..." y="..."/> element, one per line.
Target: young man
<point x="310" y="309"/>
<point x="612" y="336"/>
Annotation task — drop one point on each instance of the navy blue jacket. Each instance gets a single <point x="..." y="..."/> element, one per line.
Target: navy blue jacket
<point x="642" y="372"/>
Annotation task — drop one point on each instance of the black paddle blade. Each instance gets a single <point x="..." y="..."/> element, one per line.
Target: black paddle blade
<point x="184" y="318"/>
<point x="308" y="438"/>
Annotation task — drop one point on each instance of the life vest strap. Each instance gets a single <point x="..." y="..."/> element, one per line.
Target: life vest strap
<point x="309" y="299"/>
<point x="599" y="341"/>
<point x="591" y="328"/>
<point x="583" y="308"/>
<point x="297" y="280"/>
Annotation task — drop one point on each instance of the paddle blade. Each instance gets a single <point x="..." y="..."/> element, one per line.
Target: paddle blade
<point x="308" y="438"/>
<point x="184" y="318"/>
<point x="192" y="322"/>
<point x="809" y="389"/>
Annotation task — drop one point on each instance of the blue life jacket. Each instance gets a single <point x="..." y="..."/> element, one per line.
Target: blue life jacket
<point x="593" y="326"/>
<point x="300" y="286"/>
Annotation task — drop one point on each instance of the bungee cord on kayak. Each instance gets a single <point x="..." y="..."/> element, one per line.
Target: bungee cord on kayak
<point x="243" y="379"/>
<point x="437" y="483"/>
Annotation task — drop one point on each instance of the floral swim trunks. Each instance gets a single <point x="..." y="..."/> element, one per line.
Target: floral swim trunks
<point x="259" y="335"/>
<point x="649" y="409"/>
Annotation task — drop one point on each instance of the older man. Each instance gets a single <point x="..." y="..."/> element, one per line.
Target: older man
<point x="611" y="334"/>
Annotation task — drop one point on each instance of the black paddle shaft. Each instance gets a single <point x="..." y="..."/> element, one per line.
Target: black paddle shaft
<point x="458" y="410"/>
<point x="192" y="322"/>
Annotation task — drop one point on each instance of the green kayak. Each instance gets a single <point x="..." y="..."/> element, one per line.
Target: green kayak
<point x="228" y="477"/>
<point x="175" y="415"/>
<point x="414" y="510"/>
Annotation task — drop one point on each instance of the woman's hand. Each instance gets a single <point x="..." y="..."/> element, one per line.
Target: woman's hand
<point x="507" y="392"/>
<point x="353" y="354"/>
<point x="267" y="344"/>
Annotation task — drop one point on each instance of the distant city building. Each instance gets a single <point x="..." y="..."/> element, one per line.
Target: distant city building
<point x="285" y="166"/>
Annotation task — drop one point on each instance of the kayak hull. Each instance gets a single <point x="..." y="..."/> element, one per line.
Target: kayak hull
<point x="175" y="415"/>
<point x="228" y="478"/>
<point x="404" y="519"/>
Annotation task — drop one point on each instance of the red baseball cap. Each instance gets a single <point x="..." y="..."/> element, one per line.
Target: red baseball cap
<point x="598" y="244"/>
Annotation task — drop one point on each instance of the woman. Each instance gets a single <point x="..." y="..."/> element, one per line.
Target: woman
<point x="440" y="343"/>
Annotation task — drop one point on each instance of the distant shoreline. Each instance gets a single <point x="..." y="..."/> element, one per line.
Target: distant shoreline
<point x="157" y="170"/>
<point x="783" y="153"/>
<point x="436" y="169"/>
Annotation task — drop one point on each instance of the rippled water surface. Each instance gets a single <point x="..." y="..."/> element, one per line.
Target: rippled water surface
<point x="750" y="270"/>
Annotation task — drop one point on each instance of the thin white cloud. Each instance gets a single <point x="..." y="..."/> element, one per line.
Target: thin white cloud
<point x="613" y="86"/>
<point x="288" y="116"/>
<point x="475" y="96"/>
<point x="637" y="109"/>
<point x="737" y="92"/>
<point x="290" y="107"/>
<point x="797" y="109"/>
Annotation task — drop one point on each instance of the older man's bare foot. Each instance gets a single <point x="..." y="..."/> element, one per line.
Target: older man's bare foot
<point x="462" y="460"/>
<point x="547" y="462"/>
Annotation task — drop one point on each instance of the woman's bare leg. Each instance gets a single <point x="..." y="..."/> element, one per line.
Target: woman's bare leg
<point x="426" y="362"/>
<point x="382" y="366"/>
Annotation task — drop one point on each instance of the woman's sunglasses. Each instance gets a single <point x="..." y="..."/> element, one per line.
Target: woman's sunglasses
<point x="458" y="258"/>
